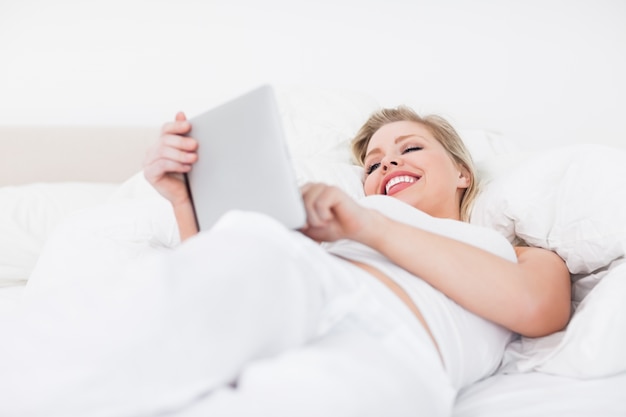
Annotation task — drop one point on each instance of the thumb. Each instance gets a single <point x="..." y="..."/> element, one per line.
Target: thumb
<point x="180" y="117"/>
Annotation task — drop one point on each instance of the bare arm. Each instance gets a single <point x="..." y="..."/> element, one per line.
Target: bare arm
<point x="186" y="220"/>
<point x="172" y="156"/>
<point x="531" y="297"/>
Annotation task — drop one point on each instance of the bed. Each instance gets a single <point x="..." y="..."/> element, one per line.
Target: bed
<point x="62" y="180"/>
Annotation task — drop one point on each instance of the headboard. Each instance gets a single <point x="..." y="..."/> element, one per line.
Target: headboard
<point x="101" y="154"/>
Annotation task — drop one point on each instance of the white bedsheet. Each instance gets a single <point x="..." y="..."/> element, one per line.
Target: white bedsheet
<point x="9" y="299"/>
<point x="537" y="394"/>
<point x="524" y="395"/>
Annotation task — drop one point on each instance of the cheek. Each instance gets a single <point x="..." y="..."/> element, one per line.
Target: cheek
<point x="370" y="185"/>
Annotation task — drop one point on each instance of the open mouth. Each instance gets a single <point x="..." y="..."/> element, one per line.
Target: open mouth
<point x="399" y="183"/>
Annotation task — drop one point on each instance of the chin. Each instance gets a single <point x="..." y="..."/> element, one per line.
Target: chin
<point x="409" y="199"/>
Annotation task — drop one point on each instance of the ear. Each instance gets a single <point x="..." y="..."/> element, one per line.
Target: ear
<point x="464" y="177"/>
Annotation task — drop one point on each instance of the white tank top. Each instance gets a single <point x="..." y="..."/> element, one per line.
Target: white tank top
<point x="471" y="347"/>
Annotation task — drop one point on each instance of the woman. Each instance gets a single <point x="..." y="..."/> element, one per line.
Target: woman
<point x="357" y="332"/>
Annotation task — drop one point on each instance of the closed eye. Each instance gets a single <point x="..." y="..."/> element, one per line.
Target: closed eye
<point x="371" y="168"/>
<point x="412" y="149"/>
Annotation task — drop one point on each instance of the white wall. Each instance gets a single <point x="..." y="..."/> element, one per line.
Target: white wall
<point x="540" y="71"/>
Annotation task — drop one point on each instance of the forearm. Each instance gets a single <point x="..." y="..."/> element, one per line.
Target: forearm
<point x="186" y="220"/>
<point x="529" y="297"/>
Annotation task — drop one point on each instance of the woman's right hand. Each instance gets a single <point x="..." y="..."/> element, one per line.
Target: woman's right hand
<point x="170" y="157"/>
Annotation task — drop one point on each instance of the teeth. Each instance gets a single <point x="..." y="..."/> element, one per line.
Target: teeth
<point x="398" y="180"/>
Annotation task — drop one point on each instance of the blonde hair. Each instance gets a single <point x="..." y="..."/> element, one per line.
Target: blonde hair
<point x="441" y="130"/>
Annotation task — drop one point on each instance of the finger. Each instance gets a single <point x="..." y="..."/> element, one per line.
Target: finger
<point x="161" y="167"/>
<point x="177" y="148"/>
<point x="162" y="150"/>
<point x="180" y="117"/>
<point x="323" y="205"/>
<point x="184" y="143"/>
<point x="318" y="200"/>
<point x="177" y="155"/>
<point x="177" y="127"/>
<point x="310" y="192"/>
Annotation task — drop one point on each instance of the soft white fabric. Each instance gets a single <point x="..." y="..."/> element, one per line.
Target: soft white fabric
<point x="484" y="144"/>
<point x="29" y="213"/>
<point x="319" y="124"/>
<point x="592" y="345"/>
<point x="567" y="199"/>
<point x="344" y="175"/>
<point x="154" y="333"/>
<point x="538" y="394"/>
<point x="471" y="346"/>
<point x="10" y="298"/>
<point x="133" y="221"/>
<point x="318" y="130"/>
<point x="570" y="200"/>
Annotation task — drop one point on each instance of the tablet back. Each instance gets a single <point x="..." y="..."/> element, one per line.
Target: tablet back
<point x="243" y="162"/>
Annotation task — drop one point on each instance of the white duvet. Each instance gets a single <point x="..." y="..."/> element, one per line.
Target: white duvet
<point x="93" y="322"/>
<point x="569" y="199"/>
<point x="111" y="322"/>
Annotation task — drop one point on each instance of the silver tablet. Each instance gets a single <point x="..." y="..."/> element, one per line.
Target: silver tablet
<point x="243" y="162"/>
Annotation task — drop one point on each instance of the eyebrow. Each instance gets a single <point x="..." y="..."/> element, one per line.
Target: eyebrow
<point x="396" y="141"/>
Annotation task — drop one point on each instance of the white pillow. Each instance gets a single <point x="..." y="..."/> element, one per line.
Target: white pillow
<point x="320" y="124"/>
<point x="29" y="213"/>
<point x="484" y="144"/>
<point x="594" y="343"/>
<point x="570" y="200"/>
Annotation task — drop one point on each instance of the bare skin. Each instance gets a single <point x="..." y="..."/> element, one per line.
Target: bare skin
<point x="170" y="157"/>
<point x="530" y="297"/>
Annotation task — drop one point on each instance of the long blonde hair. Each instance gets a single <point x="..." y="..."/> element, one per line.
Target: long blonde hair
<point x="441" y="130"/>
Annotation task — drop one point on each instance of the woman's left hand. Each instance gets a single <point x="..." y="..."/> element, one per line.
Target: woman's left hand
<point x="332" y="214"/>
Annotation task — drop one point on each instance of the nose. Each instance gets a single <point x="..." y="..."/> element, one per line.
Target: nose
<point x="387" y="164"/>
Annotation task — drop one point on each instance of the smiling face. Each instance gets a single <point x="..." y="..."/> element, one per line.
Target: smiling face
<point x="405" y="161"/>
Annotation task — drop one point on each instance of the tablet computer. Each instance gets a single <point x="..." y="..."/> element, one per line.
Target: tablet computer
<point x="243" y="162"/>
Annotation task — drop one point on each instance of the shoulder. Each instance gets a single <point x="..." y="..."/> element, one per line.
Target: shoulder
<point x="479" y="236"/>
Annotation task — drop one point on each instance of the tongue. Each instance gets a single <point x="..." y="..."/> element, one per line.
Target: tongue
<point x="399" y="187"/>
